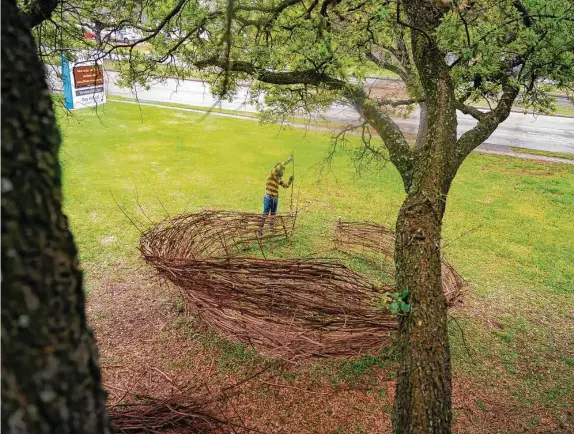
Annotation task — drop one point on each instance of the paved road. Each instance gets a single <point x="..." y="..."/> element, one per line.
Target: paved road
<point x="546" y="133"/>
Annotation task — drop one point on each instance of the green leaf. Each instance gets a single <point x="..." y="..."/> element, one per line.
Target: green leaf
<point x="383" y="13"/>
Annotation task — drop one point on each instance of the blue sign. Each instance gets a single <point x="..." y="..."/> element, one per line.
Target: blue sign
<point x="67" y="82"/>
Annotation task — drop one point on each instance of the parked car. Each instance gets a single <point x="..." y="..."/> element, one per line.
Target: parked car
<point x="126" y="35"/>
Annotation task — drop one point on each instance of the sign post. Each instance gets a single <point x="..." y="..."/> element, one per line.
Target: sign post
<point x="83" y="83"/>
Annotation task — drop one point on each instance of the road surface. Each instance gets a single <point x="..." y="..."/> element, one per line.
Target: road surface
<point x="541" y="132"/>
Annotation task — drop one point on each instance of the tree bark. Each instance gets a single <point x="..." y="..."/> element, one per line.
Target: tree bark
<point x="423" y="126"/>
<point x="423" y="394"/>
<point x="423" y="398"/>
<point x="50" y="374"/>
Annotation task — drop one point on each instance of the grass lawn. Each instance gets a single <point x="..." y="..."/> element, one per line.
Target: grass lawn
<point x="564" y="111"/>
<point x="508" y="230"/>
<point x="314" y="124"/>
<point x="566" y="155"/>
<point x="558" y="110"/>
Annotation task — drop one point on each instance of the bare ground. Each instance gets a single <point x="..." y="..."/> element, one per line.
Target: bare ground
<point x="147" y="345"/>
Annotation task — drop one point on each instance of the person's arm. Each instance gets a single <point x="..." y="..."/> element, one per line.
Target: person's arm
<point x="287" y="161"/>
<point x="281" y="166"/>
<point x="286" y="184"/>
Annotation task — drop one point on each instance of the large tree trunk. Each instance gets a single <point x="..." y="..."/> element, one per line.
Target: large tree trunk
<point x="423" y="398"/>
<point x="50" y="373"/>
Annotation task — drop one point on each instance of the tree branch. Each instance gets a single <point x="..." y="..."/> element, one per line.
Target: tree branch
<point x="487" y="123"/>
<point x="399" y="151"/>
<point x="162" y="24"/>
<point x="274" y="10"/>
<point x="469" y="110"/>
<point x="152" y="34"/>
<point x="308" y="76"/>
<point x="398" y="102"/>
<point x="37" y="11"/>
<point x="410" y="26"/>
<point x="387" y="66"/>
<point x="526" y="19"/>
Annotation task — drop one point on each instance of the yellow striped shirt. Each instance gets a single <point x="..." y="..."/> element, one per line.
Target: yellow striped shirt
<point x="274" y="181"/>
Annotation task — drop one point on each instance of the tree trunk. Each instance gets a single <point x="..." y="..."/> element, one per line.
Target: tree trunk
<point x="98" y="29"/>
<point x="423" y="398"/>
<point x="423" y="126"/>
<point x="50" y="373"/>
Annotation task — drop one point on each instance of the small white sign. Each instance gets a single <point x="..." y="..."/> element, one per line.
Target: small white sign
<point x="83" y="83"/>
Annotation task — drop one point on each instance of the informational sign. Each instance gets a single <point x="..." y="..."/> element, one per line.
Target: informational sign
<point x="83" y="83"/>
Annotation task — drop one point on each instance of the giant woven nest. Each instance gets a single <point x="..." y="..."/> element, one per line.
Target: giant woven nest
<point x="287" y="308"/>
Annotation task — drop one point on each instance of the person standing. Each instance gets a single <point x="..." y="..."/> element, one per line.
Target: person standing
<point x="271" y="199"/>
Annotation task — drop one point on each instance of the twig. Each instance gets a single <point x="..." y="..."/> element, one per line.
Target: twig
<point x="448" y="243"/>
<point x="139" y="205"/>
<point x="160" y="202"/>
<point x="126" y="214"/>
<point x="464" y="343"/>
<point x="130" y="389"/>
<point x="165" y="376"/>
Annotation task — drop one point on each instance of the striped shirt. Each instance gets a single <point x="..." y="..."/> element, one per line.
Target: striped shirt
<point x="274" y="181"/>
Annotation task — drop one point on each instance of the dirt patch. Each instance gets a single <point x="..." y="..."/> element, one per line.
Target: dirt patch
<point x="142" y="343"/>
<point x="148" y="346"/>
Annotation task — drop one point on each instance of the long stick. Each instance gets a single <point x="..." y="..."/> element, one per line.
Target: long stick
<point x="291" y="204"/>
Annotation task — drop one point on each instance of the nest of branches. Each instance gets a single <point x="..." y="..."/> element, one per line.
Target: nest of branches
<point x="364" y="238"/>
<point x="283" y="308"/>
<point x="150" y="414"/>
<point x="209" y="234"/>
<point x="192" y="408"/>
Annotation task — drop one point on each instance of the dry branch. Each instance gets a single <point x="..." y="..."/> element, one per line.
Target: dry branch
<point x="190" y="409"/>
<point x="363" y="237"/>
<point x="284" y="308"/>
<point x="152" y="415"/>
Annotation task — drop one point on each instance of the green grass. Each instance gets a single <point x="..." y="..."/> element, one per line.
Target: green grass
<point x="508" y="227"/>
<point x="564" y="111"/>
<point x="558" y="109"/>
<point x="566" y="155"/>
<point x="314" y="124"/>
<point x="188" y="106"/>
<point x="512" y="212"/>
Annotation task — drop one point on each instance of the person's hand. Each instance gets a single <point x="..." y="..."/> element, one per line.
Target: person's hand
<point x="291" y="179"/>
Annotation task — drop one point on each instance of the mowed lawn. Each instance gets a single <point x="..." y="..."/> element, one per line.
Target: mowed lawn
<point x="509" y="227"/>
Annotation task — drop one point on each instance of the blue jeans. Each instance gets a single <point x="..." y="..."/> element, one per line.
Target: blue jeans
<point x="270" y="205"/>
